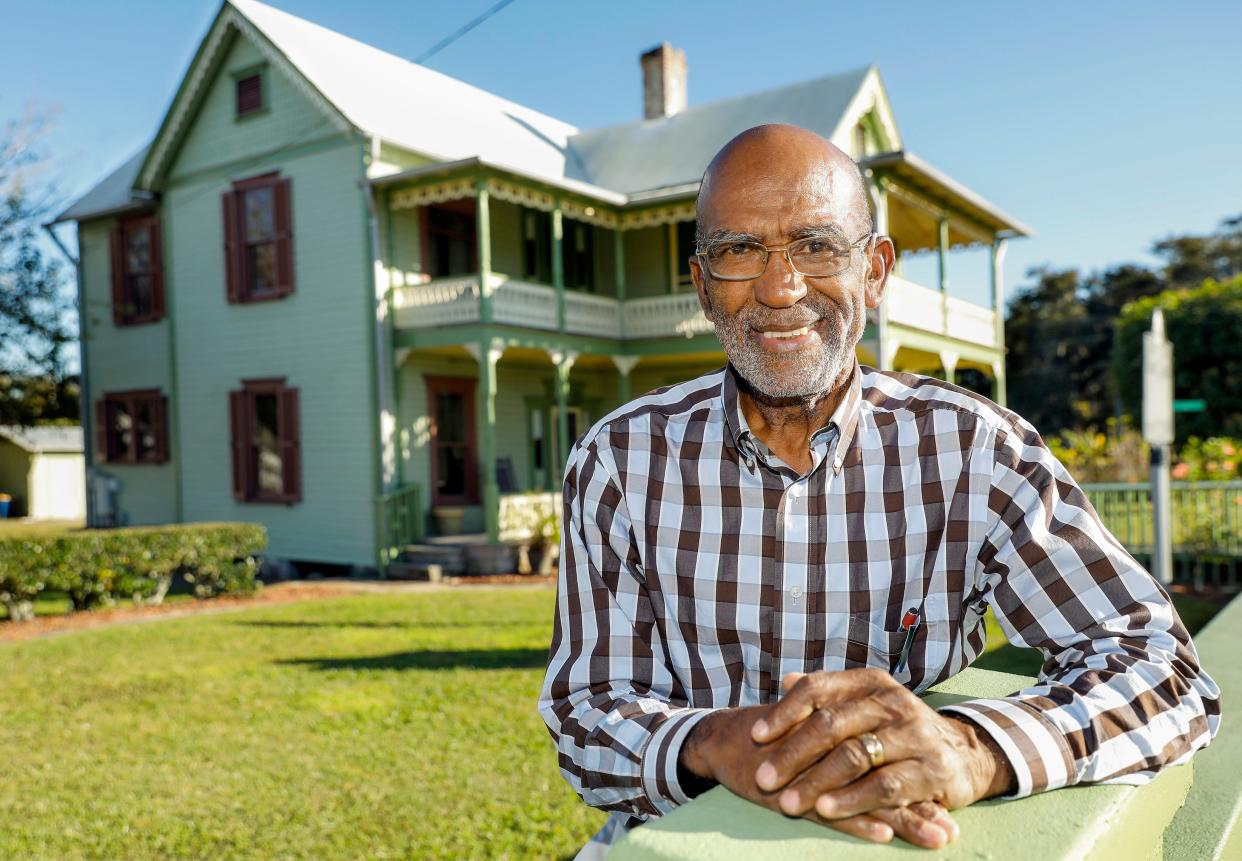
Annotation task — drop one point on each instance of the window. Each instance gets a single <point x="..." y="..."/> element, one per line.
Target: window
<point x="137" y="272"/>
<point x="454" y="471"/>
<point x="249" y="91"/>
<point x="266" y="442"/>
<point x="132" y="427"/>
<point x="537" y="245"/>
<point x="684" y="251"/>
<point x="578" y="254"/>
<point x="450" y="234"/>
<point x="258" y="239"/>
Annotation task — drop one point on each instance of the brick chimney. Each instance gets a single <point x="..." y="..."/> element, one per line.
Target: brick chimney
<point x="664" y="81"/>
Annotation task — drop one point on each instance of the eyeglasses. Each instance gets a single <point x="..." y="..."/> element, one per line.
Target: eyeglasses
<point x="744" y="260"/>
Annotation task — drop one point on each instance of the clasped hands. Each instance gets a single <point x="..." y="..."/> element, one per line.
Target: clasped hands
<point x="802" y="757"/>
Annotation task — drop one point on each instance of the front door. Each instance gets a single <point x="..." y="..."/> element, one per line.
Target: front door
<point x="454" y="458"/>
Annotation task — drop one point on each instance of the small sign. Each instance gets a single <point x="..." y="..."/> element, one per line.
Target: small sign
<point x="1196" y="405"/>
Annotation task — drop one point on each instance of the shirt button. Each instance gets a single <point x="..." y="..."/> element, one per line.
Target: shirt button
<point x="796" y="592"/>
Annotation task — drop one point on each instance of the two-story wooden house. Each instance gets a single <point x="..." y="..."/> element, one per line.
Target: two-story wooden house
<point x="351" y="298"/>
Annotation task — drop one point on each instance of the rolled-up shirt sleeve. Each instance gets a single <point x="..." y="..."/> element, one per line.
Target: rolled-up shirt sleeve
<point x="1121" y="693"/>
<point x="617" y="713"/>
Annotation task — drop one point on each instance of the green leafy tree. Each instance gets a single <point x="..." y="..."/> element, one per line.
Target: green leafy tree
<point x="35" y="311"/>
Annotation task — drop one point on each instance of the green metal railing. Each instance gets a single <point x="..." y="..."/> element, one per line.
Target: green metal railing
<point x="1206" y="522"/>
<point x="401" y="519"/>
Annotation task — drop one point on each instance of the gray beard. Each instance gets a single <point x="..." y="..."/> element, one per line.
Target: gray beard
<point x="801" y="374"/>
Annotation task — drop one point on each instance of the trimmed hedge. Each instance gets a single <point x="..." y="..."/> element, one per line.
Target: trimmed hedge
<point x="96" y="567"/>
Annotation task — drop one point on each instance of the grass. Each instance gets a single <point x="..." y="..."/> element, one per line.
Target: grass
<point x="377" y="726"/>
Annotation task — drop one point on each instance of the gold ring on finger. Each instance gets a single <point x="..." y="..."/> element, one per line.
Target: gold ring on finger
<point x="874" y="749"/>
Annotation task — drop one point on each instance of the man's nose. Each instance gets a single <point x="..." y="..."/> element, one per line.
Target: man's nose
<point x="779" y="286"/>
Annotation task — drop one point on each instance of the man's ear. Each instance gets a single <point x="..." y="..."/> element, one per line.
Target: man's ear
<point x="879" y="263"/>
<point x="700" y="287"/>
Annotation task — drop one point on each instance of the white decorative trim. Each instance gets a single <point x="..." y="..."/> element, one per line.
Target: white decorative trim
<point x="400" y="355"/>
<point x="204" y="71"/>
<point x="589" y="214"/>
<point x="563" y="358"/>
<point x="411" y="198"/>
<point x="522" y="196"/>
<point x="670" y="214"/>
<point x="625" y="364"/>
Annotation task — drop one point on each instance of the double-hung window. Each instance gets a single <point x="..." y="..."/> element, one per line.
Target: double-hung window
<point x="266" y="442"/>
<point x="137" y="271"/>
<point x="258" y="238"/>
<point x="132" y="427"/>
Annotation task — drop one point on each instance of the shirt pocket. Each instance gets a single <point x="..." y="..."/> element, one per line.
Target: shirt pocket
<point x="870" y="645"/>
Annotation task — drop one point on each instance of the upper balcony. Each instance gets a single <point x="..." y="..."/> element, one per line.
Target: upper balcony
<point x="472" y="245"/>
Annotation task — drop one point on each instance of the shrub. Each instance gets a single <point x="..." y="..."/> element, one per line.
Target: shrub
<point x="1216" y="458"/>
<point x="1117" y="454"/>
<point x="96" y="567"/>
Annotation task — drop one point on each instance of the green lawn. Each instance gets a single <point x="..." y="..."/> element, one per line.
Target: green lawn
<point x="373" y="726"/>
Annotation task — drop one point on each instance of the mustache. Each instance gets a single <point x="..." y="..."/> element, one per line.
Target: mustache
<point x="806" y="313"/>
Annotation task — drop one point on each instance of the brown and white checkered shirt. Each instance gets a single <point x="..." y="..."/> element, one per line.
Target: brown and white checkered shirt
<point x="697" y="569"/>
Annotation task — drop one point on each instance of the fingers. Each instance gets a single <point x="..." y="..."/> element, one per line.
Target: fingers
<point x="914" y="825"/>
<point x="828" y="729"/>
<point x="864" y="828"/>
<point x="893" y="785"/>
<point x="812" y="692"/>
<point x="847" y="762"/>
<point x="935" y="812"/>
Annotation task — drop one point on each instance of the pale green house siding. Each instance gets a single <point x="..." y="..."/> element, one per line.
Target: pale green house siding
<point x="318" y="338"/>
<point x="121" y="358"/>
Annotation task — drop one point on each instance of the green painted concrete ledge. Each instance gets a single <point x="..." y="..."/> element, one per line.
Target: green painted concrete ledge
<point x="1097" y="822"/>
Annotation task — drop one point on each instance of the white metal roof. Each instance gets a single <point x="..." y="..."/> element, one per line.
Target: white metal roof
<point x="113" y="194"/>
<point x="651" y="154"/>
<point x="44" y="438"/>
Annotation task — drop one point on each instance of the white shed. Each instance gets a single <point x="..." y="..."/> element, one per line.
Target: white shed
<point x="44" y="470"/>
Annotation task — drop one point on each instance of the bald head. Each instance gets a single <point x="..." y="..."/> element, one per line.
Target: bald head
<point x="786" y="161"/>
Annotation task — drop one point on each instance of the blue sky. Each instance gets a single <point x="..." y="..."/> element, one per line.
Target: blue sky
<point x="1104" y="126"/>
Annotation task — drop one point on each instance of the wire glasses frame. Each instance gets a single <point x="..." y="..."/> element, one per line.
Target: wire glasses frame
<point x="835" y="262"/>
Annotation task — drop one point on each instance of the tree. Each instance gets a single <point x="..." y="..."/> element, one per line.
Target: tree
<point x="1205" y="326"/>
<point x="34" y="309"/>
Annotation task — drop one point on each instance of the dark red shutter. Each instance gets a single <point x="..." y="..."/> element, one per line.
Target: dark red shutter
<point x="101" y="431"/>
<point x="291" y="444"/>
<point x="157" y="270"/>
<point x="116" y="241"/>
<point x="159" y="414"/>
<point x="239" y="442"/>
<point x="283" y="196"/>
<point x="234" y="246"/>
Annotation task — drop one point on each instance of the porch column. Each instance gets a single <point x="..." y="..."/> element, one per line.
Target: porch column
<point x="942" y="269"/>
<point x="1000" y="387"/>
<point x="483" y="234"/>
<point x="558" y="265"/>
<point x="487" y="353"/>
<point x="624" y="364"/>
<point x="948" y="359"/>
<point x="563" y="362"/>
<point x="618" y="255"/>
<point x="879" y="200"/>
<point x="998" y="309"/>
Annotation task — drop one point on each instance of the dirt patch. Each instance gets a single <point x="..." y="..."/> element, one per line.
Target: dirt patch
<point x="277" y="593"/>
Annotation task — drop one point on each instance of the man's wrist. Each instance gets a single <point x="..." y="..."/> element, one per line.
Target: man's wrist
<point x="1003" y="780"/>
<point x="694" y="772"/>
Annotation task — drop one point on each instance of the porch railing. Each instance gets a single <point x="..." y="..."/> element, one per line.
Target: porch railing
<point x="658" y="316"/>
<point x="929" y="310"/>
<point x="1206" y="525"/>
<point x="399" y="518"/>
<point x="525" y="515"/>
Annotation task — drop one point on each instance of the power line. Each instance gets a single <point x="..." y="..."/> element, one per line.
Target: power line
<point x="461" y="31"/>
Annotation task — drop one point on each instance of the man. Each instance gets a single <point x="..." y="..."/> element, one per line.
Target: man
<point x="762" y="567"/>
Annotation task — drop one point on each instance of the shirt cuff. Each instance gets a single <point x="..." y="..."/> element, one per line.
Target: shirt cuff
<point x="1036" y="749"/>
<point x="659" y="758"/>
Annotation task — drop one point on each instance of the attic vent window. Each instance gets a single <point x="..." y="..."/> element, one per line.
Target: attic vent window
<point x="249" y="94"/>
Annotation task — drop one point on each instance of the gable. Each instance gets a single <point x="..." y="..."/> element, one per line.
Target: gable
<point x="200" y="129"/>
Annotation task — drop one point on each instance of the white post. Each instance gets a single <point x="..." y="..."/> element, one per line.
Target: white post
<point x="1158" y="431"/>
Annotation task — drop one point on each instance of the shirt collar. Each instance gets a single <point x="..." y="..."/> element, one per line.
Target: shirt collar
<point x="844" y="419"/>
